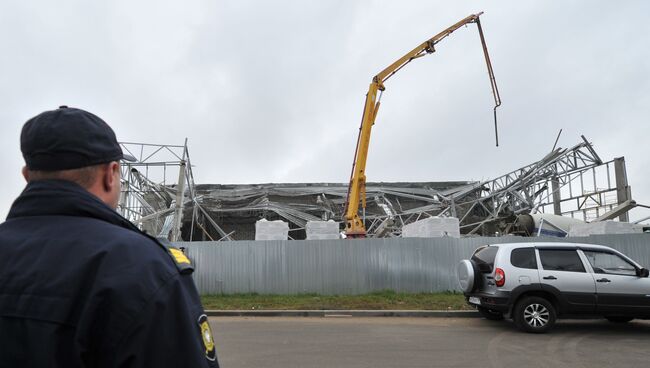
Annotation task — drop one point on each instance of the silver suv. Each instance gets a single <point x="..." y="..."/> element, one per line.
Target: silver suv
<point x="535" y="283"/>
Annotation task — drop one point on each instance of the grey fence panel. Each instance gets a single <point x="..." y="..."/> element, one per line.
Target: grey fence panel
<point x="355" y="266"/>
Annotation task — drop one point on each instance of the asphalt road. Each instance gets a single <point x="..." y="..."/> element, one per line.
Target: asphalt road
<point x="425" y="342"/>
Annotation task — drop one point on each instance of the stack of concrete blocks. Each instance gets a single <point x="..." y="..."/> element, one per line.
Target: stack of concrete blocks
<point x="271" y="230"/>
<point x="605" y="227"/>
<point x="432" y="227"/>
<point x="319" y="230"/>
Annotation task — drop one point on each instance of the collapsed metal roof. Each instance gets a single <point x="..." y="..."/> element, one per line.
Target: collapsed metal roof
<point x="573" y="182"/>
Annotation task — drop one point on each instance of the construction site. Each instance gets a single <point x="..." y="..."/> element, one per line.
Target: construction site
<point x="325" y="184"/>
<point x="568" y="186"/>
<point x="570" y="191"/>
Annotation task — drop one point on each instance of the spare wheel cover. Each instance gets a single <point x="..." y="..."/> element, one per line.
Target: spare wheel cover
<point x="465" y="272"/>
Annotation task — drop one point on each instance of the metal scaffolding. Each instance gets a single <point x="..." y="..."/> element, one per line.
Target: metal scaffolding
<point x="156" y="187"/>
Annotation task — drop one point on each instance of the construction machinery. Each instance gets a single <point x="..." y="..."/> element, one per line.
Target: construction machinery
<point x="356" y="196"/>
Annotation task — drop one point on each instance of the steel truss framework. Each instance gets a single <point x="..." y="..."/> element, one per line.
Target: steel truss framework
<point x="158" y="189"/>
<point x="573" y="182"/>
<point x="149" y="199"/>
<point x="159" y="195"/>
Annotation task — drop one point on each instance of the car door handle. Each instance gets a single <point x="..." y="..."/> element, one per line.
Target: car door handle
<point x="603" y="280"/>
<point x="550" y="278"/>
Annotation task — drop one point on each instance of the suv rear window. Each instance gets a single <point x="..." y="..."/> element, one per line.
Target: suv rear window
<point x="524" y="258"/>
<point x="561" y="260"/>
<point x="485" y="256"/>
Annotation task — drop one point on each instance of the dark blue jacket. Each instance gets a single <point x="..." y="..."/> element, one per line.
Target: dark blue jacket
<point x="80" y="286"/>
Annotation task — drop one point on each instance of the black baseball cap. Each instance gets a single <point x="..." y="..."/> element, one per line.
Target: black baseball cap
<point x="68" y="138"/>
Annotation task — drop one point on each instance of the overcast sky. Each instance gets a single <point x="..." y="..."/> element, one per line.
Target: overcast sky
<point x="273" y="91"/>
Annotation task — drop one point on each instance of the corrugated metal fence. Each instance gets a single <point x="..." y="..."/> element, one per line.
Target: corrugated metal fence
<point x="355" y="266"/>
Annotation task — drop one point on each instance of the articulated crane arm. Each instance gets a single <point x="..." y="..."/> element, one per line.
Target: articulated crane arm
<point x="357" y="189"/>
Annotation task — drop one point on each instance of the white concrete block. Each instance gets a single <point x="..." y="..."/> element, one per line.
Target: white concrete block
<point x="604" y="227"/>
<point x="271" y="230"/>
<point x="318" y="230"/>
<point x="432" y="227"/>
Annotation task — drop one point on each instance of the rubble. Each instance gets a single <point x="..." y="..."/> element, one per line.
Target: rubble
<point x="571" y="182"/>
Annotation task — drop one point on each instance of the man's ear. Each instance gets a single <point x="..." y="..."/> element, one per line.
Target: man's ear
<point x="109" y="179"/>
<point x="25" y="172"/>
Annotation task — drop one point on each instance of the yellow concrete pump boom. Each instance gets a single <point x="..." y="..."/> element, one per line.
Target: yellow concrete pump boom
<point x="355" y="226"/>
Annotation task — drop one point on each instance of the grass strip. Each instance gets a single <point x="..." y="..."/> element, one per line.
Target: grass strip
<point x="374" y="301"/>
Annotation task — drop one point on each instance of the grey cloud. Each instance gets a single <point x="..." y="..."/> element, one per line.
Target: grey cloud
<point x="273" y="91"/>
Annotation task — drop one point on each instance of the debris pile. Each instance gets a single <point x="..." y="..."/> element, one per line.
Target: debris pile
<point x="568" y="182"/>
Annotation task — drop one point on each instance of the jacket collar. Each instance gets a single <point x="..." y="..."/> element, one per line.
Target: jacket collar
<point x="63" y="198"/>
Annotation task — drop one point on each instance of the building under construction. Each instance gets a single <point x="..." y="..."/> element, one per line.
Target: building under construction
<point x="160" y="196"/>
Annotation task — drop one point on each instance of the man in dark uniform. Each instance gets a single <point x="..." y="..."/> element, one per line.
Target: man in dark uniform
<point x="80" y="286"/>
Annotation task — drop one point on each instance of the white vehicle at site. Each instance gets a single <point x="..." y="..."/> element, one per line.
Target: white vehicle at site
<point x="536" y="283"/>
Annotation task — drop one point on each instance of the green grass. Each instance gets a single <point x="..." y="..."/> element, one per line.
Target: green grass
<point x="374" y="301"/>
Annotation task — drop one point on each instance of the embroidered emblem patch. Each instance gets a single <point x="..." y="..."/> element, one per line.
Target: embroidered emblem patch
<point x="206" y="336"/>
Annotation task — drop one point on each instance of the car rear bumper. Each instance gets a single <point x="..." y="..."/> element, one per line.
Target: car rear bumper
<point x="499" y="301"/>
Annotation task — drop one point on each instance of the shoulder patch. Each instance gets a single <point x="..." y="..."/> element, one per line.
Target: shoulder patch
<point x="207" y="338"/>
<point x="183" y="263"/>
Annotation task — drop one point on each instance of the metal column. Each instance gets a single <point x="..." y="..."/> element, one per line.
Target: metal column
<point x="557" y="197"/>
<point x="180" y="198"/>
<point x="623" y="190"/>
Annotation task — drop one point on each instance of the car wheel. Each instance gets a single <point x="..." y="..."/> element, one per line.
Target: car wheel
<point x="619" y="319"/>
<point x="534" y="314"/>
<point x="490" y="314"/>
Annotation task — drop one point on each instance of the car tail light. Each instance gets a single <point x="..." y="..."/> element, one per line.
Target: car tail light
<point x="499" y="277"/>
